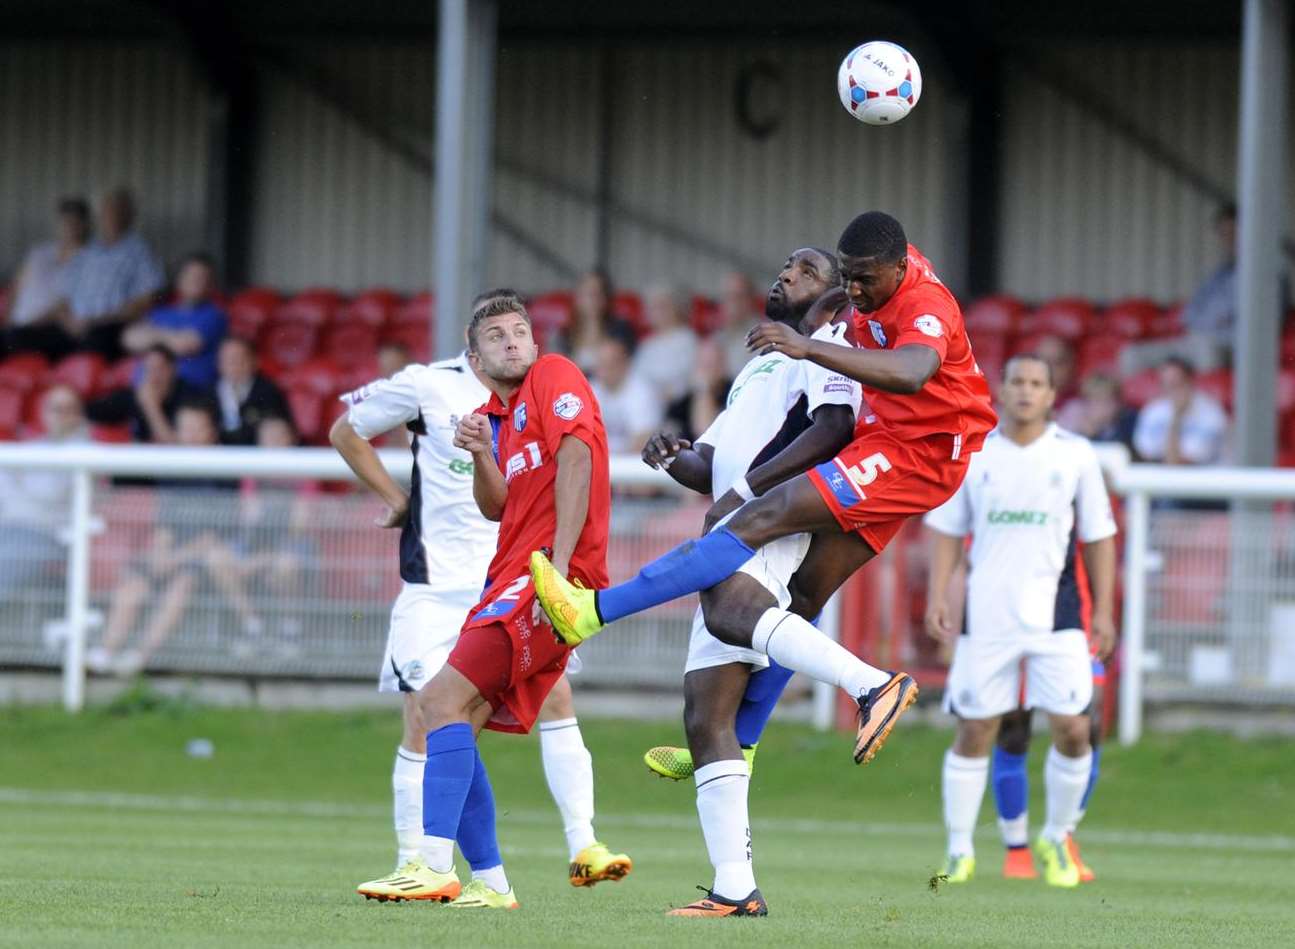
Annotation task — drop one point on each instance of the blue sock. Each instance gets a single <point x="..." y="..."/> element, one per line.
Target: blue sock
<point x="476" y="837"/>
<point x="447" y="777"/>
<point x="763" y="690"/>
<point x="1092" y="777"/>
<point x="692" y="566"/>
<point x="1011" y="784"/>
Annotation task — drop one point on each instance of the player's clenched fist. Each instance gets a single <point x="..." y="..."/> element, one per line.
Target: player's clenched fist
<point x="473" y="434"/>
<point x="662" y="448"/>
<point x="771" y="337"/>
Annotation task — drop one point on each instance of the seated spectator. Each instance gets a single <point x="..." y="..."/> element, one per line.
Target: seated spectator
<point x="632" y="411"/>
<point x="1060" y="356"/>
<point x="392" y="357"/>
<point x="1183" y="426"/>
<point x="150" y="406"/>
<point x="244" y="394"/>
<point x="666" y="355"/>
<point x="1209" y="316"/>
<point x="112" y="282"/>
<point x="271" y="564"/>
<point x="1098" y="413"/>
<point x="32" y="322"/>
<point x="739" y="310"/>
<point x="35" y="504"/>
<point x="191" y="328"/>
<point x="692" y="413"/>
<point x="190" y="515"/>
<point x="591" y="319"/>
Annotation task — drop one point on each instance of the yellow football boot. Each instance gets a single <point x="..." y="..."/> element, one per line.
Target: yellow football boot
<point x="476" y="895"/>
<point x="596" y="863"/>
<point x="413" y="881"/>
<point x="1058" y="868"/>
<point x="570" y="608"/>
<point x="676" y="763"/>
<point x="960" y="869"/>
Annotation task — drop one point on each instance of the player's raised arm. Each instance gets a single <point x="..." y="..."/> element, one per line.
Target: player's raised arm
<point x="489" y="489"/>
<point x="903" y="370"/>
<point x="571" y="498"/>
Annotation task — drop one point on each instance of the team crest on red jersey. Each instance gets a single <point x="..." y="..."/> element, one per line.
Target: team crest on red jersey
<point x="519" y="417"/>
<point x="878" y="333"/>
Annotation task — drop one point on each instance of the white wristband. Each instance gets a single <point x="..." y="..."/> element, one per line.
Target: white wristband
<point x="743" y="490"/>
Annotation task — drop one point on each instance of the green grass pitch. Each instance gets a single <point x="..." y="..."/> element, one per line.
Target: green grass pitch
<point x="110" y="835"/>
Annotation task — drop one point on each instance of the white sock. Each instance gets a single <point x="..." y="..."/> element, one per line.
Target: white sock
<point x="1016" y="832"/>
<point x="1064" y="782"/>
<point x="569" y="770"/>
<point x="407" y="803"/>
<point x="795" y="643"/>
<point x="437" y="853"/>
<point x="721" y="804"/>
<point x="964" y="787"/>
<point x="1079" y="817"/>
<point x="493" y="877"/>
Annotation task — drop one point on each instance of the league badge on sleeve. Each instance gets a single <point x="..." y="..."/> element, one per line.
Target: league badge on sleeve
<point x="567" y="406"/>
<point x="930" y="325"/>
<point x="519" y="417"/>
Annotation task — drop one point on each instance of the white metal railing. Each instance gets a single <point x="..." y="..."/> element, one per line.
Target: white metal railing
<point x="1140" y="485"/>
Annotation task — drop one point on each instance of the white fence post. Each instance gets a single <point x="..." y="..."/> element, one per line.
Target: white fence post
<point x="824" y="704"/>
<point x="78" y="591"/>
<point x="1137" y="524"/>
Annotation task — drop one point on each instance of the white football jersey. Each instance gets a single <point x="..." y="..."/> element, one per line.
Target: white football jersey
<point x="446" y="544"/>
<point x="769" y="404"/>
<point x="1025" y="507"/>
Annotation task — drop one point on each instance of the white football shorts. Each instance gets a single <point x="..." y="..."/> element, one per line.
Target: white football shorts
<point x="424" y="628"/>
<point x="985" y="678"/>
<point x="772" y="566"/>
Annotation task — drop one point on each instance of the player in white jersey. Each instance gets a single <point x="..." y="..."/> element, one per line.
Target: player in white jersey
<point x="782" y="417"/>
<point x="1032" y="494"/>
<point x="445" y="549"/>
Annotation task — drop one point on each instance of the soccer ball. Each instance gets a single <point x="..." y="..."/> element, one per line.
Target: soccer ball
<point x="879" y="83"/>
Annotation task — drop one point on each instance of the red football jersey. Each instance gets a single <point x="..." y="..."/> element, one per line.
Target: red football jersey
<point x="554" y="400"/>
<point x="954" y="401"/>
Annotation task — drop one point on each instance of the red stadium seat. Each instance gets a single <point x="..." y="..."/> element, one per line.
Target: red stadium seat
<point x="120" y="375"/>
<point x="703" y="314"/>
<point x="1169" y="322"/>
<point x="249" y="311"/>
<point x="1100" y="354"/>
<point x="1066" y="317"/>
<point x="318" y="375"/>
<point x="990" y="348"/>
<point x="348" y="345"/>
<point x="111" y="434"/>
<point x="1132" y="319"/>
<point x="419" y="310"/>
<point x="629" y="306"/>
<point x="1140" y="389"/>
<point x="550" y="313"/>
<point x="312" y="307"/>
<point x="372" y="308"/>
<point x="997" y="314"/>
<point x="415" y="337"/>
<point x="307" y="407"/>
<point x="23" y="371"/>
<point x="288" y="344"/>
<point x="81" y="371"/>
<point x="11" y="408"/>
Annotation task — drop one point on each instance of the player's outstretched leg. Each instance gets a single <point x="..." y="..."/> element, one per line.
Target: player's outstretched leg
<point x="792" y="507"/>
<point x="569" y="771"/>
<point x="1011" y="783"/>
<point x="966" y="772"/>
<point x="712" y="696"/>
<point x="763" y="690"/>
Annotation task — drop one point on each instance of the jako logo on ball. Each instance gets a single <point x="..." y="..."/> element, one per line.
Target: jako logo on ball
<point x="879" y="83"/>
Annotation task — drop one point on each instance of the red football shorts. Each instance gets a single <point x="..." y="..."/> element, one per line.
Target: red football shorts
<point x="878" y="481"/>
<point x="508" y="651"/>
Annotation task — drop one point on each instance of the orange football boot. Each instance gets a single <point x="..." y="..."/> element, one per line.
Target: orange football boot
<point x="752" y="905"/>
<point x="879" y="709"/>
<point x="1018" y="864"/>
<point x="1086" y="874"/>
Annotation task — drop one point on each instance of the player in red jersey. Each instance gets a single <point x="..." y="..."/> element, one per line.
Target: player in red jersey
<point x="931" y="409"/>
<point x="539" y="468"/>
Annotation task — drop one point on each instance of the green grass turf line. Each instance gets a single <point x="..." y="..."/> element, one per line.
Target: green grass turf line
<point x="98" y="874"/>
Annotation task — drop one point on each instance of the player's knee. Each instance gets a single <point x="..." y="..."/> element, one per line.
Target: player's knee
<point x="975" y="737"/>
<point x="724" y="616"/>
<point x="760" y="521"/>
<point x="705" y="729"/>
<point x="1070" y="735"/>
